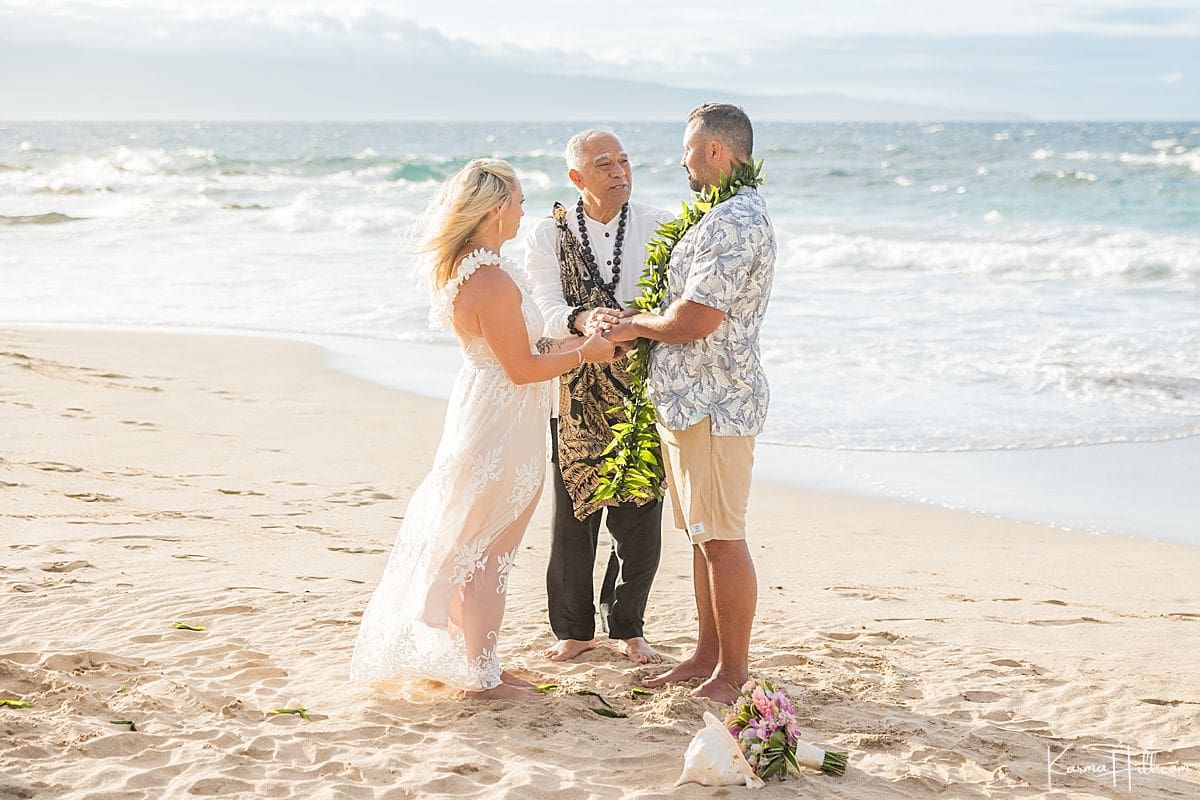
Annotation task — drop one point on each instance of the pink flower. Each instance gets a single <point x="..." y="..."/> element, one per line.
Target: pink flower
<point x="761" y="702"/>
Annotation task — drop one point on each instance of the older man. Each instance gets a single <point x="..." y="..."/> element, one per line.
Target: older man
<point x="710" y="393"/>
<point x="585" y="262"/>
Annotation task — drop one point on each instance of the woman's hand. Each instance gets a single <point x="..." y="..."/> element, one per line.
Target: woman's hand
<point x="597" y="349"/>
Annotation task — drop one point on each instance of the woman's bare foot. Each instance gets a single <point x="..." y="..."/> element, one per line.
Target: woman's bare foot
<point x="512" y="680"/>
<point x="639" y="651"/>
<point x="567" y="649"/>
<point x="684" y="671"/>
<point x="718" y="688"/>
<point x="517" y="694"/>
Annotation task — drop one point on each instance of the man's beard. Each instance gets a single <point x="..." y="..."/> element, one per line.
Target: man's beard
<point x="696" y="184"/>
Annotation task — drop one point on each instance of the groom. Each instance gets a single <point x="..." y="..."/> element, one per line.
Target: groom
<point x="585" y="261"/>
<point x="710" y="393"/>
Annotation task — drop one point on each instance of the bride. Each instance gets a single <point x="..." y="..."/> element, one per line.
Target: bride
<point x="438" y="607"/>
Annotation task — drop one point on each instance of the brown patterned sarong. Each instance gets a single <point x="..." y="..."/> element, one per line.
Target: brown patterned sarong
<point x="589" y="393"/>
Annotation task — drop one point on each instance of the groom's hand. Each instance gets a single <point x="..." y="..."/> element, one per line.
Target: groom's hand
<point x="623" y="331"/>
<point x="597" y="320"/>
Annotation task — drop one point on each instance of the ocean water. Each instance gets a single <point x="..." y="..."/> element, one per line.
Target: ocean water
<point x="957" y="288"/>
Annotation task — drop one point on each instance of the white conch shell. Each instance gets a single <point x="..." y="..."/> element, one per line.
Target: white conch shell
<point x="715" y="759"/>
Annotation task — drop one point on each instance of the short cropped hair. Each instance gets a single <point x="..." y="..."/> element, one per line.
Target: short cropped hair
<point x="727" y="124"/>
<point x="574" y="152"/>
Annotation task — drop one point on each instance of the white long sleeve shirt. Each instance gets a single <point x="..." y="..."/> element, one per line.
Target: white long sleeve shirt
<point x="541" y="259"/>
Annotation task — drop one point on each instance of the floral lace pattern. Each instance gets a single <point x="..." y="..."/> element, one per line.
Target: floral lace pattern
<point x="455" y="551"/>
<point x="485" y="469"/>
<point x="529" y="478"/>
<point x="504" y="565"/>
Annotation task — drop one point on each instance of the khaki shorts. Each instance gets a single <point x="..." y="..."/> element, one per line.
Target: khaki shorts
<point x="708" y="478"/>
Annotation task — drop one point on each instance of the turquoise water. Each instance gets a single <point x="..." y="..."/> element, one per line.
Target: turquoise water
<point x="941" y="288"/>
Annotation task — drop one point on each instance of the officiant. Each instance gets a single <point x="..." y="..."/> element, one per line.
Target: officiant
<point x="585" y="260"/>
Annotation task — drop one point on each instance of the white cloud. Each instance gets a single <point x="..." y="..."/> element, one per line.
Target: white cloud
<point x="932" y="52"/>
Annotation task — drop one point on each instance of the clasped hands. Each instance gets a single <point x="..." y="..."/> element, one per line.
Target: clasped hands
<point x="608" y="323"/>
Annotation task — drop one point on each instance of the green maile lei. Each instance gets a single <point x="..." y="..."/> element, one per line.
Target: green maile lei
<point x="632" y="468"/>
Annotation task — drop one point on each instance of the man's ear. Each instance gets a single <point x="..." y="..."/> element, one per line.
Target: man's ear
<point x="715" y="148"/>
<point x="576" y="178"/>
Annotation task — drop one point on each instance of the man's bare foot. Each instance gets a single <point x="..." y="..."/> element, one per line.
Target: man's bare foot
<point x="513" y="680"/>
<point x="567" y="649"/>
<point x="517" y="694"/>
<point x="718" y="688"/>
<point x="639" y="651"/>
<point x="683" y="671"/>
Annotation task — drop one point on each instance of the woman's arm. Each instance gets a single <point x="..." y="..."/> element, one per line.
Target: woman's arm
<point x="489" y="305"/>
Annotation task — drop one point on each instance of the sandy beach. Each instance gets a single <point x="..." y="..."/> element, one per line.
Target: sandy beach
<point x="243" y="486"/>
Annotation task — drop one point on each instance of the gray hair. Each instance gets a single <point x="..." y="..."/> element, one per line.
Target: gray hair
<point x="574" y="151"/>
<point x="729" y="125"/>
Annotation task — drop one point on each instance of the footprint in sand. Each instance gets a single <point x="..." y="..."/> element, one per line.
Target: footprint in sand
<point x="149" y="638"/>
<point x="981" y="696"/>
<point x="65" y="566"/>
<point x="137" y="424"/>
<point x="220" y="787"/>
<point x="204" y="612"/>
<point x="93" y="497"/>
<point x="865" y="593"/>
<point x="1006" y="662"/>
<point x="364" y="496"/>
<point x="198" y="557"/>
<point x="357" y="550"/>
<point x="135" y="536"/>
<point x="54" y="466"/>
<point x="246" y="492"/>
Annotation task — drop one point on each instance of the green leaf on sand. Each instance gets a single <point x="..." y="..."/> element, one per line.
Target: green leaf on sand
<point x="546" y="687"/>
<point x="608" y="712"/>
<point x="128" y="722"/>
<point x="638" y="691"/>
<point x="596" y="695"/>
<point x="183" y="626"/>
<point x="300" y="712"/>
<point x="10" y="703"/>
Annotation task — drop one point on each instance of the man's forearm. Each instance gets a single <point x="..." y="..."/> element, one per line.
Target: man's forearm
<point x="666" y="328"/>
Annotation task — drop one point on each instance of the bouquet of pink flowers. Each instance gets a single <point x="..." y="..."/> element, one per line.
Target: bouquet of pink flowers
<point x="764" y="724"/>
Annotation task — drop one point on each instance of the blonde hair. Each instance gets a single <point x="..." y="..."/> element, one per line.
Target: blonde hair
<point x="454" y="214"/>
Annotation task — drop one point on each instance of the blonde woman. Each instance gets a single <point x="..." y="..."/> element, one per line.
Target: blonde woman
<point x="438" y="607"/>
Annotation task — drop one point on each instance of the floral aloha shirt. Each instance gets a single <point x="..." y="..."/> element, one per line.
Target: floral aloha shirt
<point x="726" y="262"/>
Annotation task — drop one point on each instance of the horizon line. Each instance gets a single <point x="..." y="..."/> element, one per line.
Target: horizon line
<point x="588" y="120"/>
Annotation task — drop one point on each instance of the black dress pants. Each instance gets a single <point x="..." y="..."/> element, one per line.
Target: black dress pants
<point x="637" y="545"/>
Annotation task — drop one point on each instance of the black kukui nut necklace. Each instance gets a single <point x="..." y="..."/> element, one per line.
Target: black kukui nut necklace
<point x="587" y="247"/>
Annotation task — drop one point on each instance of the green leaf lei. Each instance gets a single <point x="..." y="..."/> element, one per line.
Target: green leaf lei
<point x="632" y="468"/>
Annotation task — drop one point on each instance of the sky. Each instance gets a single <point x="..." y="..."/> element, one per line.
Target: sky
<point x="452" y="59"/>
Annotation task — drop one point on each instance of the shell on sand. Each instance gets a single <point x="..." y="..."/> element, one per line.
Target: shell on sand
<point x="714" y="759"/>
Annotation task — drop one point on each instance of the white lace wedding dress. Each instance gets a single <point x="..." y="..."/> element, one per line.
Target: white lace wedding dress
<point x="438" y="607"/>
